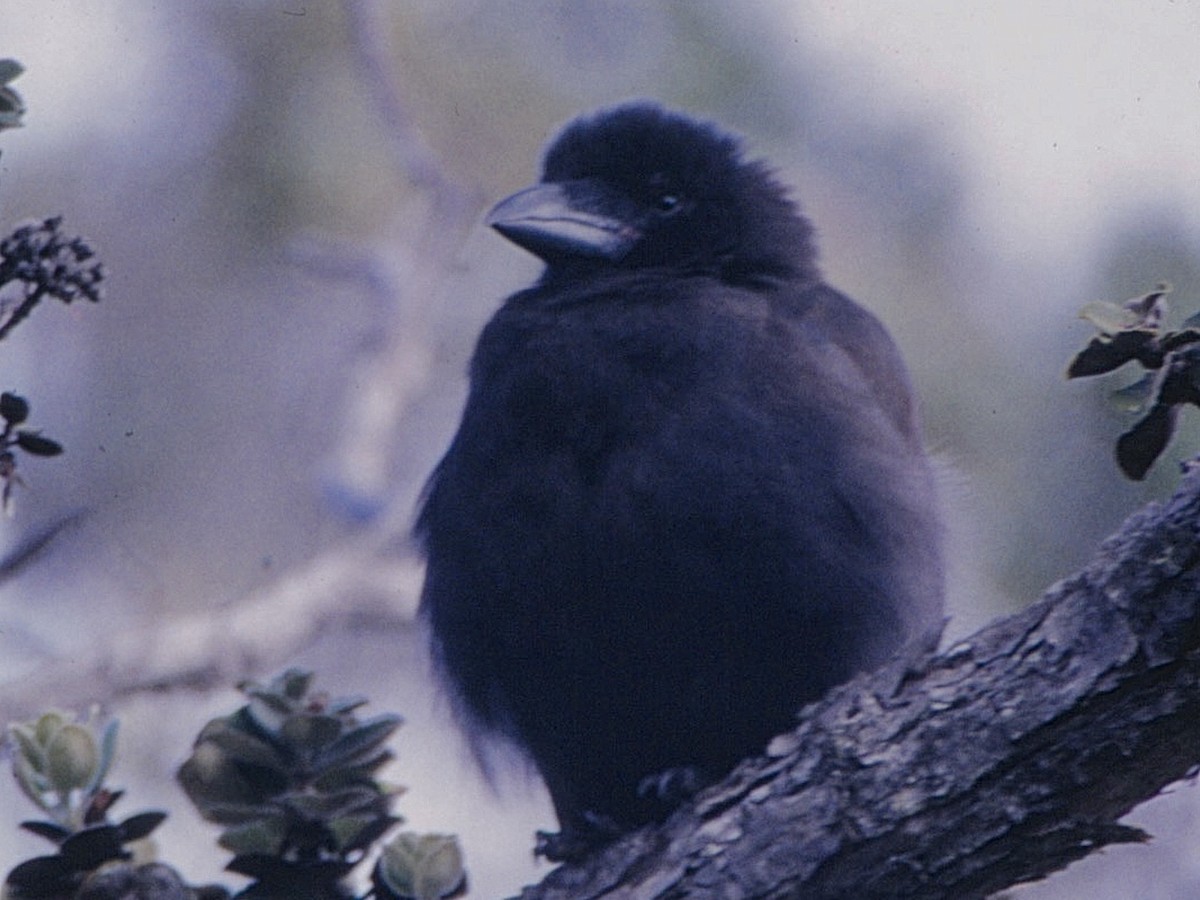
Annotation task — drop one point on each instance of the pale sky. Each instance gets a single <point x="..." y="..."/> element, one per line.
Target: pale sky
<point x="1066" y="111"/>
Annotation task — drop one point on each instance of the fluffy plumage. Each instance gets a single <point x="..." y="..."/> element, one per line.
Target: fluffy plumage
<point x="688" y="494"/>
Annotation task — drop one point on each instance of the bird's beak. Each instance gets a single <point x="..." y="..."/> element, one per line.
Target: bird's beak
<point x="561" y="220"/>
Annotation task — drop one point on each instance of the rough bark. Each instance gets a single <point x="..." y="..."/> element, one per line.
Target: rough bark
<point x="955" y="774"/>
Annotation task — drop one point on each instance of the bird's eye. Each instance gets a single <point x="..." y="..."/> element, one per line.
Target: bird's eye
<point x="668" y="202"/>
<point x="660" y="193"/>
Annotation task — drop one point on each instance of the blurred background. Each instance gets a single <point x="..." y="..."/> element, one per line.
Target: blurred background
<point x="286" y="195"/>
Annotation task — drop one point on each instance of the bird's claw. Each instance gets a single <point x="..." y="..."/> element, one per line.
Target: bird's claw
<point x="578" y="840"/>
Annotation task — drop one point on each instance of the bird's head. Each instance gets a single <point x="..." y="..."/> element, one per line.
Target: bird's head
<point x="638" y="187"/>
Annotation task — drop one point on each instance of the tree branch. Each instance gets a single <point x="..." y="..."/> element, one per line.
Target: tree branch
<point x="957" y="774"/>
<point x="410" y="271"/>
<point x="209" y="649"/>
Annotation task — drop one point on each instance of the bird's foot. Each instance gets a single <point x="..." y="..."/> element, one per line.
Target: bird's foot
<point x="671" y="787"/>
<point x="578" y="840"/>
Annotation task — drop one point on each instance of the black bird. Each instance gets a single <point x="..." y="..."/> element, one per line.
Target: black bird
<point x="688" y="494"/>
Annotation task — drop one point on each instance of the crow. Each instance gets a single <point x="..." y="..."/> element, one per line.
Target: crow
<point x="688" y="494"/>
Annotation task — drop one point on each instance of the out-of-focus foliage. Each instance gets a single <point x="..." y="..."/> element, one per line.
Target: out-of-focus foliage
<point x="61" y="765"/>
<point x="422" y="866"/>
<point x="37" y="260"/>
<point x="1132" y="332"/>
<point x="11" y="105"/>
<point x="292" y="778"/>
<point x="291" y="775"/>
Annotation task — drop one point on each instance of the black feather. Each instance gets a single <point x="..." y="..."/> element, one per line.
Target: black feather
<point x="688" y="494"/>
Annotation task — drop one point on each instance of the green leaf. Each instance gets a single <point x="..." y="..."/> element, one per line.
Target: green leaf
<point x="92" y="847"/>
<point x="108" y="749"/>
<point x="309" y="733"/>
<point x="71" y="758"/>
<point x="48" y="724"/>
<point x="230" y="813"/>
<point x="293" y="683"/>
<point x="359" y="831"/>
<point x="51" y="831"/>
<point x="222" y="784"/>
<point x="1137" y="396"/>
<point x="14" y="409"/>
<point x="359" y="743"/>
<point x="12" y="108"/>
<point x="1109" y="352"/>
<point x="267" y="711"/>
<point x="1151" y="308"/>
<point x="328" y="806"/>
<point x="1140" y="446"/>
<point x="360" y="774"/>
<point x="238" y="745"/>
<point x="1175" y="340"/>
<point x="42" y="876"/>
<point x="342" y="706"/>
<point x="1108" y="318"/>
<point x="139" y="826"/>
<point x="35" y="444"/>
<point x="426" y="867"/>
<point x="10" y="69"/>
<point x="262" y="835"/>
<point x="32" y="783"/>
<point x="28" y="745"/>
<point x="1143" y="313"/>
